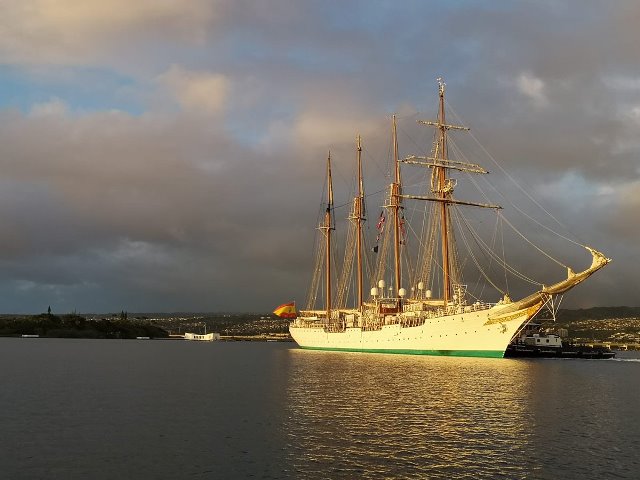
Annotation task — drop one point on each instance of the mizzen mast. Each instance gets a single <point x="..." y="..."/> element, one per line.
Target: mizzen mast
<point x="358" y="217"/>
<point x="326" y="229"/>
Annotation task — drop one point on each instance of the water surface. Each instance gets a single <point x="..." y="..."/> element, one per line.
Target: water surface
<point x="171" y="409"/>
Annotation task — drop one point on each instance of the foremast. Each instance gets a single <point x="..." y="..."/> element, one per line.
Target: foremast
<point x="442" y="187"/>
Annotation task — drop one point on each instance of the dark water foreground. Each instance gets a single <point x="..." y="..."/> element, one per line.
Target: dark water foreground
<point x="168" y="409"/>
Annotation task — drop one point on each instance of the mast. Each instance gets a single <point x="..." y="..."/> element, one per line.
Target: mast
<point x="441" y="176"/>
<point x="395" y="205"/>
<point x="442" y="187"/>
<point x="327" y="229"/>
<point x="359" y="217"/>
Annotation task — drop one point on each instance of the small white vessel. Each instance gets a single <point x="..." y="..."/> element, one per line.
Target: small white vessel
<point x="206" y="337"/>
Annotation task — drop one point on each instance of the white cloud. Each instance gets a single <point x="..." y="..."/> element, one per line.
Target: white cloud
<point x="196" y="91"/>
<point x="533" y="88"/>
<point x="622" y="82"/>
<point x="76" y="31"/>
<point x="634" y="113"/>
<point x="54" y="107"/>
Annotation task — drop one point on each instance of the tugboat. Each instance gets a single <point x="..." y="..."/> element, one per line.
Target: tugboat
<point x="534" y="343"/>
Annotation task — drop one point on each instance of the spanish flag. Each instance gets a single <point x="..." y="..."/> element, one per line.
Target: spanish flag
<point x="287" y="310"/>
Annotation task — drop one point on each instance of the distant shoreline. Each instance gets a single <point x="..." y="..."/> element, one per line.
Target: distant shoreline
<point x="598" y="325"/>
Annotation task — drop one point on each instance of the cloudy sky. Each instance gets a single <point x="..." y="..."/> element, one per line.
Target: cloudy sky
<point x="168" y="155"/>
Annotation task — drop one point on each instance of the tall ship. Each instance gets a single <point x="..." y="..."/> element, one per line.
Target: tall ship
<point x="419" y="302"/>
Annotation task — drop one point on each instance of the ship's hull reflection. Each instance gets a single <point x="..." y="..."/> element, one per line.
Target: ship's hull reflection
<point x="356" y="415"/>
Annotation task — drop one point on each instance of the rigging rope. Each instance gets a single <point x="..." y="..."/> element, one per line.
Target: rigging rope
<point x="475" y="261"/>
<point x="347" y="267"/>
<point x="520" y="187"/>
<point x="496" y="257"/>
<point x="504" y="259"/>
<point x="472" y="179"/>
<point x="530" y="242"/>
<point x="317" y="272"/>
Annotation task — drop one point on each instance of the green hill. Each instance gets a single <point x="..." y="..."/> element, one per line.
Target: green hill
<point x="76" y="326"/>
<point x="597" y="313"/>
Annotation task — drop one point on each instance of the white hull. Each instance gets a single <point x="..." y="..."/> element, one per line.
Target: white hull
<point x="483" y="333"/>
<point x="207" y="337"/>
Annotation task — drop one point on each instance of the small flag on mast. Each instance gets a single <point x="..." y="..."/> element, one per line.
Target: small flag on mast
<point x="380" y="227"/>
<point x="380" y="223"/>
<point x="286" y="310"/>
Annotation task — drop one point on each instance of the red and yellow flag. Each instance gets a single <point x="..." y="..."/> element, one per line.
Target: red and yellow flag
<point x="287" y="310"/>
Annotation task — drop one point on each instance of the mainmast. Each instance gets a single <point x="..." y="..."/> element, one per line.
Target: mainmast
<point x="327" y="231"/>
<point x="396" y="206"/>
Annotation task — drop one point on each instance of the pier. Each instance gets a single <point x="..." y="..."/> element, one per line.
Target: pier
<point x="612" y="345"/>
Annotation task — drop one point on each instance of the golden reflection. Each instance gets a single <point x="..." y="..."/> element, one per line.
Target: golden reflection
<point x="375" y="416"/>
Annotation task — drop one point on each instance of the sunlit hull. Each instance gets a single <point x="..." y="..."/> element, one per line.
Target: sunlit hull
<point x="484" y="333"/>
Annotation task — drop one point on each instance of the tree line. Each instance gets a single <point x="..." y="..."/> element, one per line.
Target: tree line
<point x="76" y="326"/>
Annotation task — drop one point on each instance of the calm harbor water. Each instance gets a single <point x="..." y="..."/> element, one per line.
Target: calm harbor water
<point x="169" y="409"/>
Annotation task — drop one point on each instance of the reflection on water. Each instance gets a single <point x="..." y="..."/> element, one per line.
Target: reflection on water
<point x="375" y="416"/>
<point x="105" y="409"/>
<point x="353" y="415"/>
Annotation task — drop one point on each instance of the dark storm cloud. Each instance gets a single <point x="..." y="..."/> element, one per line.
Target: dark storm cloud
<point x="144" y="197"/>
<point x="208" y="199"/>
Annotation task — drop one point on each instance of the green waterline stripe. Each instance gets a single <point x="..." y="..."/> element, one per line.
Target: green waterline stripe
<point x="439" y="353"/>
